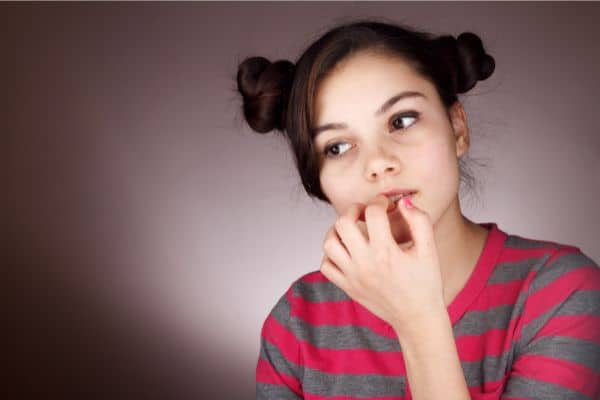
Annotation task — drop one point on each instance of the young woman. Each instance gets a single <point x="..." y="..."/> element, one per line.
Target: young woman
<point x="412" y="299"/>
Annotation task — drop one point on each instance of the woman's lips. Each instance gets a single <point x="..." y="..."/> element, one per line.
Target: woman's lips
<point x="398" y="225"/>
<point x="394" y="200"/>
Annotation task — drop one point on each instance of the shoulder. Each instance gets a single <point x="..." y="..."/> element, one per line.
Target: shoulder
<point x="314" y="287"/>
<point x="559" y="278"/>
<point x="559" y="304"/>
<point x="551" y="275"/>
<point x="309" y="289"/>
<point x="568" y="279"/>
<point x="555" y="262"/>
<point x="548" y="260"/>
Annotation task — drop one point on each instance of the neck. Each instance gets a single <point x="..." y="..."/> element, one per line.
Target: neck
<point x="459" y="243"/>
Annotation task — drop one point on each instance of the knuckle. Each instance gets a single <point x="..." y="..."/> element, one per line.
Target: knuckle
<point x="424" y="217"/>
<point x="382" y="257"/>
<point x="325" y="270"/>
<point x="328" y="245"/>
<point x="330" y="233"/>
<point x="350" y="210"/>
<point x="362" y="226"/>
<point x="374" y="209"/>
<point x="341" y="222"/>
<point x="371" y="207"/>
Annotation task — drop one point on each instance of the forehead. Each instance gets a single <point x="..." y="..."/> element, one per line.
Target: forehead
<point x="363" y="82"/>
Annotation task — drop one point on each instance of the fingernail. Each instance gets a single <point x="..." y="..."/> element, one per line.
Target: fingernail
<point x="407" y="203"/>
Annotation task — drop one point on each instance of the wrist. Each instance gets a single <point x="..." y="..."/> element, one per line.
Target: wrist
<point x="427" y="324"/>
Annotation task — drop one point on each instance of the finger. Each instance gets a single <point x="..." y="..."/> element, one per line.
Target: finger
<point x="332" y="273"/>
<point x="356" y="211"/>
<point x="335" y="250"/>
<point x="362" y="226"/>
<point x="378" y="222"/>
<point x="420" y="226"/>
<point x="350" y="234"/>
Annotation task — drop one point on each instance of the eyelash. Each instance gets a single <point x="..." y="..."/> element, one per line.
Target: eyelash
<point x="409" y="114"/>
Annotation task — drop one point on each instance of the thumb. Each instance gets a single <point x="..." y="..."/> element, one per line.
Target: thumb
<point x="420" y="226"/>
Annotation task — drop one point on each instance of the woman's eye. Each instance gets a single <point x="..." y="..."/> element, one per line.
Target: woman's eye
<point x="404" y="117"/>
<point x="333" y="150"/>
<point x="398" y="122"/>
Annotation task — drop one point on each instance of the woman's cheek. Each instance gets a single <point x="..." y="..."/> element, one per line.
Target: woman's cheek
<point x="436" y="161"/>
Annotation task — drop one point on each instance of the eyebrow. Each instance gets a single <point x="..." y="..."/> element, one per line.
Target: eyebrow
<point x="390" y="102"/>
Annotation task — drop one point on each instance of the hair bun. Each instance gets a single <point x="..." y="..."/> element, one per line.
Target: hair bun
<point x="476" y="64"/>
<point x="265" y="87"/>
<point x="467" y="60"/>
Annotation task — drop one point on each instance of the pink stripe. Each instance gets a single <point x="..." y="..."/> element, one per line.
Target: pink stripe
<point x="491" y="390"/>
<point x="560" y="372"/>
<point x="315" y="276"/>
<point x="496" y="295"/>
<point x="353" y="361"/>
<point x="352" y="313"/>
<point x="475" y="348"/>
<point x="564" y="249"/>
<point x="279" y="336"/>
<point x="585" y="277"/>
<point x="310" y="396"/>
<point x="340" y="313"/>
<point x="586" y="327"/>
<point x="515" y="255"/>
<point x="265" y="373"/>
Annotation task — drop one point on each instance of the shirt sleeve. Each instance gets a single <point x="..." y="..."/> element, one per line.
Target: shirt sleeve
<point x="558" y="353"/>
<point x="279" y="371"/>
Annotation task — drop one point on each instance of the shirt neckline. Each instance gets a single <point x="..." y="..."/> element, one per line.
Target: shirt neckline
<point x="480" y="274"/>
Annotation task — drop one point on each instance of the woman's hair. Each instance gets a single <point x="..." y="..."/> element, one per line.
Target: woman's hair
<point x="281" y="95"/>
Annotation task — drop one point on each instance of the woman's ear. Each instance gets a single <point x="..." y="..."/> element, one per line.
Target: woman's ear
<point x="458" y="118"/>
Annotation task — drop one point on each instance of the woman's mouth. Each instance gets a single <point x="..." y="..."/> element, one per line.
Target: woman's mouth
<point x="394" y="198"/>
<point x="399" y="227"/>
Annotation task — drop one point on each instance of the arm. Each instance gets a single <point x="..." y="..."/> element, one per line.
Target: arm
<point x="433" y="368"/>
<point x="278" y="369"/>
<point x="558" y="352"/>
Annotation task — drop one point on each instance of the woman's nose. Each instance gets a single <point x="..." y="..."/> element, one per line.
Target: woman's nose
<point x="381" y="162"/>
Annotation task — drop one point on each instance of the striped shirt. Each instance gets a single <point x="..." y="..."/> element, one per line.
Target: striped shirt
<point x="526" y="326"/>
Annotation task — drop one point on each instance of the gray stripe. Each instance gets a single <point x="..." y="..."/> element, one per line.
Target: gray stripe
<point x="273" y="356"/>
<point x="578" y="351"/>
<point x="337" y="337"/>
<point x="518" y="242"/>
<point x="579" y="303"/>
<point x="341" y="337"/>
<point x="559" y="266"/>
<point x="323" y="384"/>
<point x="332" y="336"/>
<point x="281" y="312"/>
<point x="318" y="292"/>
<point x="514" y="271"/>
<point x="521" y="387"/>
<point x="479" y="322"/>
<point x="266" y="391"/>
<point x="490" y="368"/>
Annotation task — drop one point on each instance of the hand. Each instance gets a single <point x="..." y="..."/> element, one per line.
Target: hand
<point x="399" y="283"/>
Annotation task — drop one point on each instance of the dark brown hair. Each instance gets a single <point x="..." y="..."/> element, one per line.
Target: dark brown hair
<point x="280" y="95"/>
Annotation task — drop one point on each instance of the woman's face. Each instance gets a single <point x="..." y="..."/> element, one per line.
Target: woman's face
<point x="379" y="146"/>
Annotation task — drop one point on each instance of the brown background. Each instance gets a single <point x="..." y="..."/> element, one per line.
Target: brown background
<point x="150" y="232"/>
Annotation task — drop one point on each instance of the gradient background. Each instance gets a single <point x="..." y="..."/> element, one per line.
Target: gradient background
<point x="150" y="231"/>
